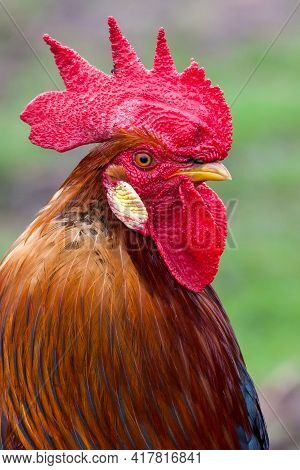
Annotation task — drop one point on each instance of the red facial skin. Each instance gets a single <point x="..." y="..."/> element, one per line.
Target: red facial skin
<point x="186" y="221"/>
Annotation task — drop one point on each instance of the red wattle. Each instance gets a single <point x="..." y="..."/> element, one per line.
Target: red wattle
<point x="189" y="229"/>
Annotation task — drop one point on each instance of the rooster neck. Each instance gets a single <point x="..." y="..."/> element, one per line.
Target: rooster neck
<point x="163" y="323"/>
<point x="115" y="348"/>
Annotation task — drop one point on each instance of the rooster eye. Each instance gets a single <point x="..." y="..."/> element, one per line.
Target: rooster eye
<point x="143" y="160"/>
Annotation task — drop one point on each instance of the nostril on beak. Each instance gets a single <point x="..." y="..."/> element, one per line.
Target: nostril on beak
<point x="213" y="171"/>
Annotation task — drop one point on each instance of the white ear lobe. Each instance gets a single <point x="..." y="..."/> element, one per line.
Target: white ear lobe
<point x="127" y="205"/>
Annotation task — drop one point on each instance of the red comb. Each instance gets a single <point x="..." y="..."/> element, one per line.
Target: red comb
<point x="184" y="110"/>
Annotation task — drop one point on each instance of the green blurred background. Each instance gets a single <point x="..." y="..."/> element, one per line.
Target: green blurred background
<point x="258" y="280"/>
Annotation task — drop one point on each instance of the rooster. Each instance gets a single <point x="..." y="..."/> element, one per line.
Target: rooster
<point x="111" y="336"/>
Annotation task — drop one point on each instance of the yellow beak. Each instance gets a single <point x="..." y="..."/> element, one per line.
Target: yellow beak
<point x="213" y="171"/>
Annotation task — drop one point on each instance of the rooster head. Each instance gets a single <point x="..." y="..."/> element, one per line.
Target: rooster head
<point x="181" y="129"/>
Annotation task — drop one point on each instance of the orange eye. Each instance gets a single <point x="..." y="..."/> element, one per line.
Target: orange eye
<point x="143" y="159"/>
